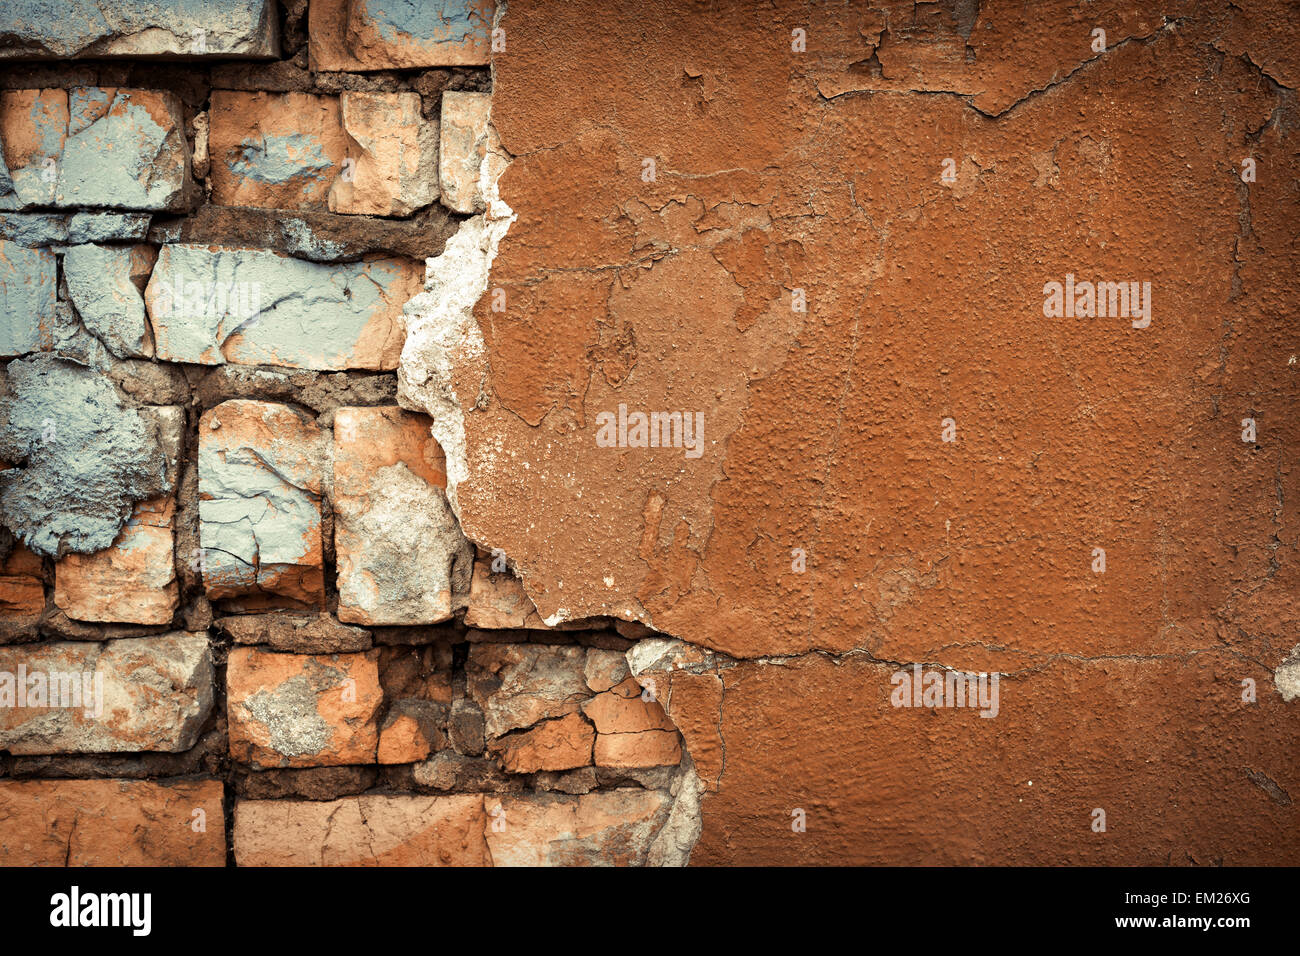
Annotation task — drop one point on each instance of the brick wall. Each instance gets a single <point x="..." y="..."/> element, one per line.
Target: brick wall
<point x="239" y="620"/>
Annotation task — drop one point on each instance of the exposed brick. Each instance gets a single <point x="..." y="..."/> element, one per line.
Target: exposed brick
<point x="561" y="744"/>
<point x="210" y="304"/>
<point x="362" y="831"/>
<point x="516" y="685"/>
<point x="112" y="823"/>
<point x="148" y="693"/>
<point x="298" y="710"/>
<point x="55" y="142"/>
<point x="85" y="28"/>
<point x="296" y="633"/>
<point x="260" y="502"/>
<point x="649" y="748"/>
<point x="464" y="143"/>
<point x="497" y="598"/>
<point x="412" y="732"/>
<point x="133" y="581"/>
<point x="401" y="556"/>
<point x="382" y="35"/>
<point x="394" y="151"/>
<point x="610" y="827"/>
<point x="22" y="589"/>
<point x="282" y="150"/>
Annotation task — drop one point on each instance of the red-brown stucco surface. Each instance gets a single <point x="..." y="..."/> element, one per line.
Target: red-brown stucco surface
<point x="821" y="170"/>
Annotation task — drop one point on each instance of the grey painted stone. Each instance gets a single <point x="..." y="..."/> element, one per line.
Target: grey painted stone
<point x="38" y="229"/>
<point x="260" y="488"/>
<point x="146" y="693"/>
<point x="102" y="287"/>
<point x="27" y="299"/>
<point x="256" y="307"/>
<point x="85" y="28"/>
<point x="89" y="457"/>
<point x="516" y="685"/>
<point x="69" y="135"/>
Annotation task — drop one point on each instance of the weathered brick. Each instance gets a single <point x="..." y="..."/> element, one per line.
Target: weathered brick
<point x="148" y="693"/>
<point x="394" y="153"/>
<point x="34" y="229"/>
<point x="624" y="710"/>
<point x="112" y="823"/>
<point x="280" y="150"/>
<point x="86" y="28"/>
<point x="390" y="34"/>
<point x="362" y="831"/>
<point x="106" y="286"/>
<point x="401" y="555"/>
<point x="27" y="299"/>
<point x="133" y="581"/>
<point x="22" y="593"/>
<point x="561" y="744"/>
<point x="605" y="669"/>
<point x="609" y="827"/>
<point x="497" y="598"/>
<point x="260" y="502"/>
<point x="55" y="142"/>
<point x="463" y="146"/>
<point x="649" y="748"/>
<point x="297" y="633"/>
<point x="299" y="710"/>
<point x="411" y="732"/>
<point x="516" y="685"/>
<point x="211" y="305"/>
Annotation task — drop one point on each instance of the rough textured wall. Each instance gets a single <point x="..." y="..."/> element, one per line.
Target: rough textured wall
<point x="817" y="432"/>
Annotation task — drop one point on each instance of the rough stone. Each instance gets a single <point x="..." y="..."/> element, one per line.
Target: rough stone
<point x="27" y="299"/>
<point x="39" y="229"/>
<point x="106" y="286"/>
<point x="317" y="236"/>
<point x="89" y="457"/>
<point x="309" y="783"/>
<point x="280" y="150"/>
<point x="390" y="34"/>
<point x="401" y="556"/>
<point x="464" y="144"/>
<point x="517" y="685"/>
<point x="189" y="28"/>
<point x="112" y="823"/>
<point x="260" y="471"/>
<point x="449" y="770"/>
<point x="394" y="152"/>
<point x="210" y="305"/>
<point x="296" y="710"/>
<point x="362" y="831"/>
<point x="603" y="828"/>
<point x="467" y="727"/>
<point x="150" y="693"/>
<point x="54" y="142"/>
<point x="296" y="633"/>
